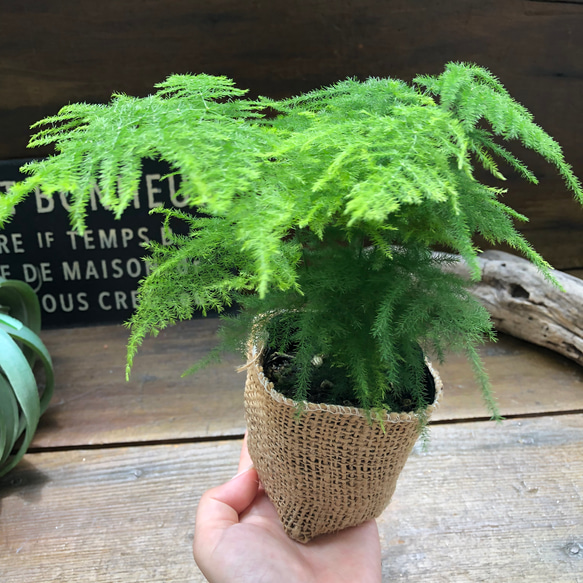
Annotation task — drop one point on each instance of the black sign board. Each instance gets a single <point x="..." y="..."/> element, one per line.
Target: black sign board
<point x="87" y="279"/>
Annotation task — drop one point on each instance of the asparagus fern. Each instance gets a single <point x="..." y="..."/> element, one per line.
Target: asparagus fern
<point x="324" y="207"/>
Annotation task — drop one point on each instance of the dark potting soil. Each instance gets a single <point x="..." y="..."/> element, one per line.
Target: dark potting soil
<point x="329" y="384"/>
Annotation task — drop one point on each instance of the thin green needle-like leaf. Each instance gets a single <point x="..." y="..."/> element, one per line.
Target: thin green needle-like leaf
<point x="327" y="211"/>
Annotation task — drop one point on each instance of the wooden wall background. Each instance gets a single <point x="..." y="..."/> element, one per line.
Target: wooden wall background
<point x="55" y="52"/>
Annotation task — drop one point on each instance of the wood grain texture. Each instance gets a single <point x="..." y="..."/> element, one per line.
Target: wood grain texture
<point x="490" y="503"/>
<point x="77" y="50"/>
<point x="526" y="379"/>
<point x="93" y="404"/>
<point x="523" y="303"/>
<point x="121" y="516"/>
<point x="484" y="502"/>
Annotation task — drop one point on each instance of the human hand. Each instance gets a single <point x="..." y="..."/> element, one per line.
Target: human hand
<point x="239" y="538"/>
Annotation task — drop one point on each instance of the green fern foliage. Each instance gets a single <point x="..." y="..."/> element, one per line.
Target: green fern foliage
<point x="322" y="209"/>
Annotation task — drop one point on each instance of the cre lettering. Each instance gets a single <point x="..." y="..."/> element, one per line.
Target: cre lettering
<point x="117" y="300"/>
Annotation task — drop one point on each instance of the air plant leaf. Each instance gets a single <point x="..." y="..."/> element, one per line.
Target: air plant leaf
<point x="326" y="205"/>
<point x="21" y="400"/>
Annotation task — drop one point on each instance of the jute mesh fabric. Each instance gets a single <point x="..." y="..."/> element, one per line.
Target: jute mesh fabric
<point x="330" y="468"/>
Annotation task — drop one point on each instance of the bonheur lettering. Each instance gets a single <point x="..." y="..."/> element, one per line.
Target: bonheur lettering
<point x="158" y="189"/>
<point x="104" y="269"/>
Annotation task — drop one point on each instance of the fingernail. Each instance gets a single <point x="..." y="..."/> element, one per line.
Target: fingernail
<point x="243" y="471"/>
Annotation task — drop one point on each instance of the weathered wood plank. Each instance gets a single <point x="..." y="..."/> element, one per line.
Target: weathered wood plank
<point x="483" y="503"/>
<point x="119" y="515"/>
<point x="94" y="405"/>
<point x="526" y="379"/>
<point x="77" y="50"/>
<point x="288" y="47"/>
<point x="488" y="503"/>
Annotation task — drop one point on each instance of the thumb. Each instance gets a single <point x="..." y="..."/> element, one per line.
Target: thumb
<point x="220" y="507"/>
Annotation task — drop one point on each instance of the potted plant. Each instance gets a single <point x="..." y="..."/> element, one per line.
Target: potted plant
<point x="316" y="216"/>
<point x="22" y="400"/>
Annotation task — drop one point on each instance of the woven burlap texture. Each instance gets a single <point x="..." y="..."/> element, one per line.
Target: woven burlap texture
<point x="329" y="468"/>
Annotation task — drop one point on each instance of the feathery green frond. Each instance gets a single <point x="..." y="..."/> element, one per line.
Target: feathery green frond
<point x="317" y="221"/>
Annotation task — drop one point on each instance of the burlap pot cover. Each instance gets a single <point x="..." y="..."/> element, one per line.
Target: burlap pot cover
<point x="330" y="468"/>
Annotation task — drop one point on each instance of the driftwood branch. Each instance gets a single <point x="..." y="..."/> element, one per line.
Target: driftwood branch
<point x="524" y="304"/>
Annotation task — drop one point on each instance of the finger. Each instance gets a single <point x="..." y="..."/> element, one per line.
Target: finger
<point x="219" y="508"/>
<point x="245" y="461"/>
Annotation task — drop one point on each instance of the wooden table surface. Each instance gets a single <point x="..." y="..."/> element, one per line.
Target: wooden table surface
<point x="109" y="489"/>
